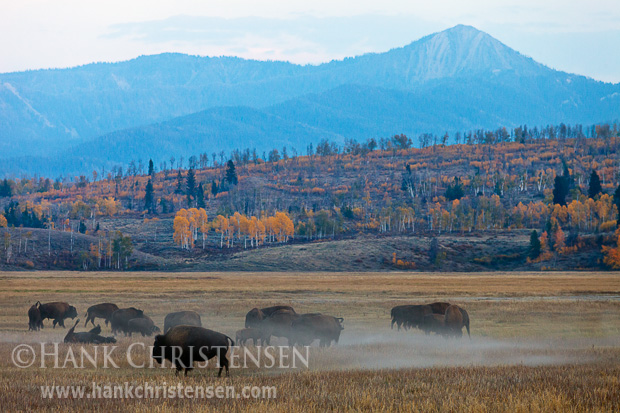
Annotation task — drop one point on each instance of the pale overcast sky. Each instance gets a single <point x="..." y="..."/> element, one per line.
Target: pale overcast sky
<point x="575" y="36"/>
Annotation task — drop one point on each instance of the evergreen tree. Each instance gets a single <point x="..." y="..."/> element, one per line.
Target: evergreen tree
<point x="179" y="189"/>
<point x="200" y="197"/>
<point x="231" y="174"/>
<point x="191" y="187"/>
<point x="82" y="228"/>
<point x="149" y="205"/>
<point x="151" y="168"/>
<point x="617" y="204"/>
<point x="214" y="188"/>
<point x="455" y="191"/>
<point x="534" y="249"/>
<point x="5" y="189"/>
<point x="595" y="185"/>
<point x="560" y="190"/>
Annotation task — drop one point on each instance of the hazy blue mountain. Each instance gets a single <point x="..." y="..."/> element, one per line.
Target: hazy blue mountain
<point x="457" y="79"/>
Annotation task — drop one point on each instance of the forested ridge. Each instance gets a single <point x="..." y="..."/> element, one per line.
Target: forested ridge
<point x="553" y="192"/>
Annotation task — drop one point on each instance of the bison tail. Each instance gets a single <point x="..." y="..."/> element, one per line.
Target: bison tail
<point x="467" y="327"/>
<point x="232" y="342"/>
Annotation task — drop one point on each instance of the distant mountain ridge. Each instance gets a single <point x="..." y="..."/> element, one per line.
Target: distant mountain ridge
<point x="174" y="104"/>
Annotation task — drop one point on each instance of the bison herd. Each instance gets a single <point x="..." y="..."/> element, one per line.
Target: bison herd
<point x="183" y="329"/>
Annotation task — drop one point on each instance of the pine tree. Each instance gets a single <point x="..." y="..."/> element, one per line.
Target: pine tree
<point x="560" y="190"/>
<point x="179" y="189"/>
<point x="595" y="185"/>
<point x="149" y="205"/>
<point x="214" y="188"/>
<point x="191" y="187"/>
<point x="231" y="174"/>
<point x="617" y="204"/>
<point x="151" y="168"/>
<point x="534" y="249"/>
<point x="200" y="197"/>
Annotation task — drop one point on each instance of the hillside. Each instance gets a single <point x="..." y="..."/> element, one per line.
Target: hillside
<point x="466" y="207"/>
<point x="456" y="80"/>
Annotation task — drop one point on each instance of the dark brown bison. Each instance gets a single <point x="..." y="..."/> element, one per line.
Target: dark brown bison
<point x="433" y="323"/>
<point x="186" y="345"/>
<point x="104" y="310"/>
<point x="143" y="325"/>
<point x="57" y="311"/>
<point x="92" y="337"/>
<point x="439" y="307"/>
<point x="120" y="319"/>
<point x="409" y="316"/>
<point x="182" y="318"/>
<point x="278" y="324"/>
<point x="255" y="334"/>
<point x="309" y="327"/>
<point x="255" y="316"/>
<point x="455" y="319"/>
<point x="34" y="317"/>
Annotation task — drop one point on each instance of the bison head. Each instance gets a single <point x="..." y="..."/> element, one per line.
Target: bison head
<point x="253" y="318"/>
<point x="158" y="349"/>
<point x="72" y="312"/>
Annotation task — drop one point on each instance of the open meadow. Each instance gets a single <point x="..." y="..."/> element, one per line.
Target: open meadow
<point x="539" y="341"/>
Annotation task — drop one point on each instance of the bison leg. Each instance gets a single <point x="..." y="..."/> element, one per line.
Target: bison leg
<point x="223" y="364"/>
<point x="54" y="323"/>
<point x="62" y="323"/>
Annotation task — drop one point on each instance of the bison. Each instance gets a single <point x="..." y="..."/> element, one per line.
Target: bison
<point x="254" y="334"/>
<point x="91" y="337"/>
<point x="255" y="316"/>
<point x="104" y="310"/>
<point x="433" y="323"/>
<point x="187" y="318"/>
<point x="278" y="324"/>
<point x="455" y="319"/>
<point x="185" y="345"/>
<point x="143" y="325"/>
<point x="120" y="319"/>
<point x="439" y="307"/>
<point x="309" y="327"/>
<point x="409" y="316"/>
<point x="34" y="317"/>
<point x="57" y="311"/>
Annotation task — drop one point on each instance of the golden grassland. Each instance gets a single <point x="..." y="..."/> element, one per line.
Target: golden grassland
<point x="540" y="342"/>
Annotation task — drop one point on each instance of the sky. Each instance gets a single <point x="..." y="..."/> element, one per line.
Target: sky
<point x="580" y="37"/>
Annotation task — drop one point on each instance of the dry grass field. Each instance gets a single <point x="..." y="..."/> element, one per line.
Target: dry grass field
<point x="540" y="341"/>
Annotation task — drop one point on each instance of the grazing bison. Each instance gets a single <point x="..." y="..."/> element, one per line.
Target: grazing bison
<point x="433" y="323"/>
<point x="34" y="317"/>
<point x="92" y="337"/>
<point x="185" y="345"/>
<point x="455" y="319"/>
<point x="409" y="316"/>
<point x="254" y="334"/>
<point x="143" y="325"/>
<point x="120" y="319"/>
<point x="255" y="316"/>
<point x="439" y="307"/>
<point x="182" y="318"/>
<point x="309" y="327"/>
<point x="57" y="311"/>
<point x="104" y="310"/>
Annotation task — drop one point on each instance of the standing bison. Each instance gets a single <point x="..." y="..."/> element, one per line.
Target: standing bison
<point x="409" y="316"/>
<point x="309" y="327"/>
<point x="255" y="316"/>
<point x="104" y="310"/>
<point x="433" y="323"/>
<point x="57" y="311"/>
<point x="257" y="335"/>
<point x="120" y="319"/>
<point x="34" y="318"/>
<point x="186" y="345"/>
<point x="455" y="319"/>
<point x="187" y="318"/>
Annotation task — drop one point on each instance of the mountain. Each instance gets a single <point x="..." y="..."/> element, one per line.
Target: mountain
<point x="179" y="105"/>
